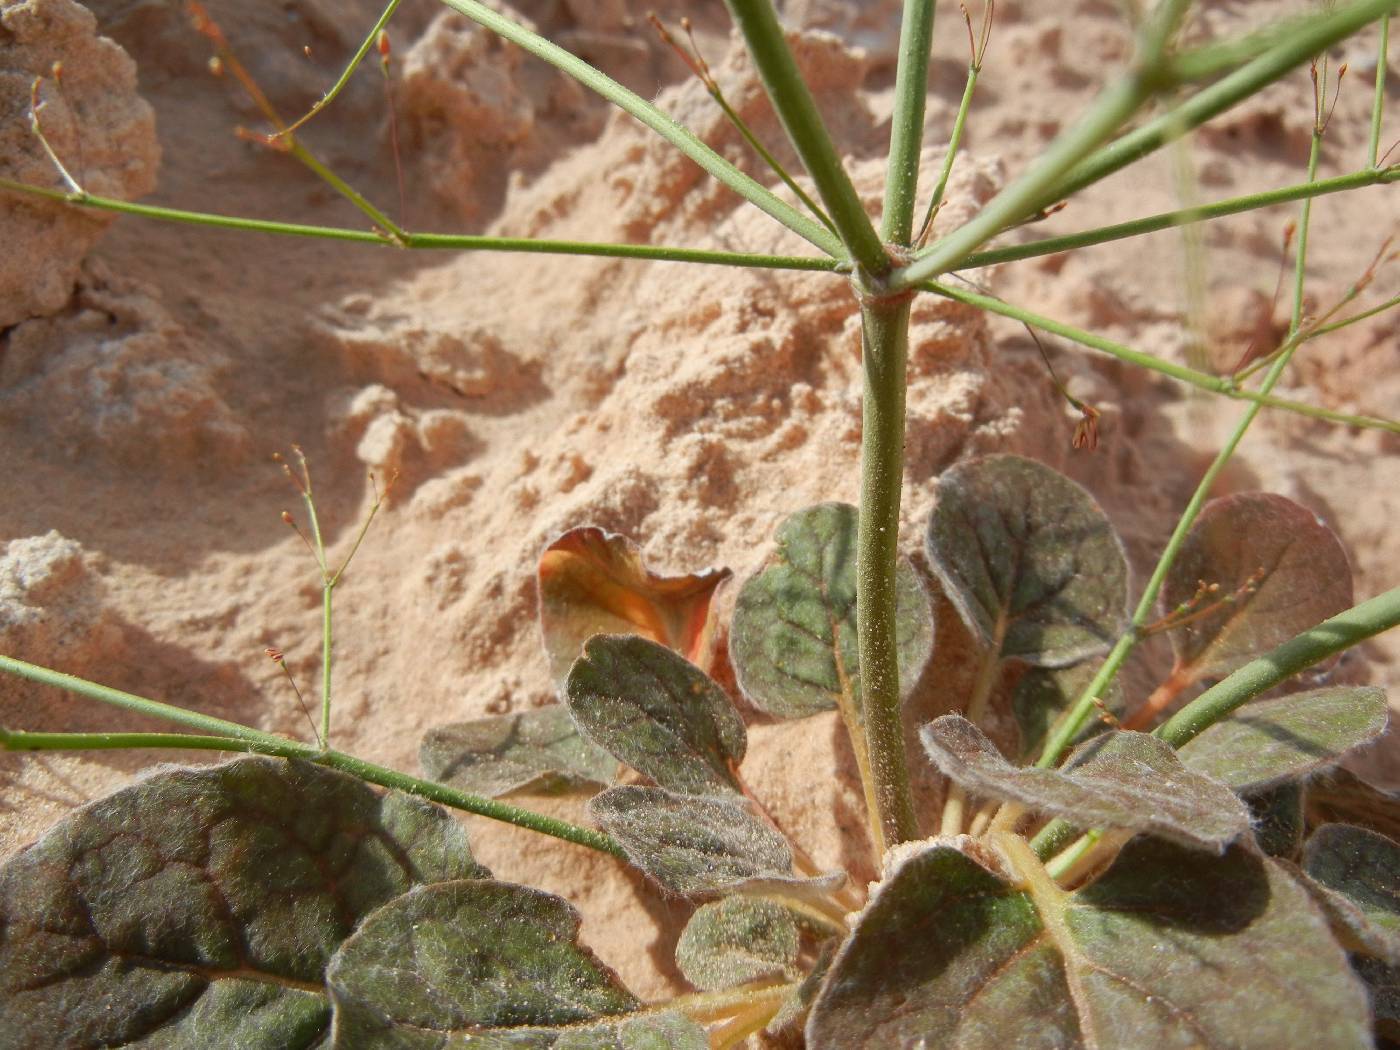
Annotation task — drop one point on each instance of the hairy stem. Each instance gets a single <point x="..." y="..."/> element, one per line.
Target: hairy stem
<point x="798" y="112"/>
<point x="907" y="123"/>
<point x="886" y="337"/>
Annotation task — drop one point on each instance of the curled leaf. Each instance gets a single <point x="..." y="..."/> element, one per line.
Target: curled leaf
<point x="206" y="900"/>
<point x="1271" y="742"/>
<point x="1119" y="780"/>
<point x="1153" y="954"/>
<point x="1276" y="570"/>
<point x="466" y="961"/>
<point x="793" y="638"/>
<point x="657" y="712"/>
<point x="1030" y="562"/>
<point x="736" y="940"/>
<point x="595" y="582"/>
<point x="540" y="750"/>
<point x="697" y="844"/>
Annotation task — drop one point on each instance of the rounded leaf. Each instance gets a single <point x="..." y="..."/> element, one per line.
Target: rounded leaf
<point x="793" y="637"/>
<point x="1028" y="559"/>
<point x="657" y="712"/>
<point x="736" y="940"/>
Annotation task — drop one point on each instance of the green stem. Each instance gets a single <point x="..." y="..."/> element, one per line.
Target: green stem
<point x="1181" y="217"/>
<point x="335" y="182"/>
<point x="23" y="740"/>
<point x="798" y="112"/>
<point x="1308" y="39"/>
<point x="1378" y="105"/>
<point x="907" y="123"/>
<point x="954" y="142"/>
<point x="1354" y="318"/>
<point x="680" y="137"/>
<point x="1214" y="384"/>
<point x="1328" y="638"/>
<point x="1065" y="733"/>
<point x="886" y="331"/>
<point x="327" y="590"/>
<point x="359" y="56"/>
<point x="243" y="738"/>
<point x="433" y="241"/>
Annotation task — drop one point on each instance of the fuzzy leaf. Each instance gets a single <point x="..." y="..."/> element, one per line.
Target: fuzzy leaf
<point x="670" y="1031"/>
<point x="463" y="962"/>
<point x="697" y="844"/>
<point x="1271" y="742"/>
<point x="1026" y="555"/>
<point x="793" y="637"/>
<point x="206" y="900"/>
<point x="595" y="582"/>
<point x="1299" y="571"/>
<point x="1360" y="874"/>
<point x="657" y="712"/>
<point x="1121" y="780"/>
<point x="1044" y="694"/>
<point x="735" y="940"/>
<point x="1383" y="984"/>
<point x="1167" y="949"/>
<point x="539" y="750"/>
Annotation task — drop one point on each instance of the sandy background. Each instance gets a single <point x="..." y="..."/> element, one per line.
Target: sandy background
<point x="148" y="372"/>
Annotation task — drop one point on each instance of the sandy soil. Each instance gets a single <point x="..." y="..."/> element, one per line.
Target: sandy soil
<point x="148" y="372"/>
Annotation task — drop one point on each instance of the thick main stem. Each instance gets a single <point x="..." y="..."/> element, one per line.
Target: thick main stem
<point x="886" y="329"/>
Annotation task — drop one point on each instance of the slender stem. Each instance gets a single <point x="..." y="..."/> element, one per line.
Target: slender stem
<point x="23" y="740"/>
<point x="255" y="740"/>
<point x="356" y="59"/>
<point x="1354" y="318"/>
<point x="434" y="241"/>
<point x="1181" y="217"/>
<point x="767" y="156"/>
<point x="886" y="332"/>
<point x="1299" y="45"/>
<point x="742" y="1025"/>
<point x="680" y="137"/>
<point x="710" y="1006"/>
<point x="1066" y="732"/>
<point x="955" y="805"/>
<point x="954" y="143"/>
<point x="1342" y="631"/>
<point x="1214" y="384"/>
<point x="1378" y="105"/>
<point x="798" y="112"/>
<point x="907" y="123"/>
<point x="327" y="645"/>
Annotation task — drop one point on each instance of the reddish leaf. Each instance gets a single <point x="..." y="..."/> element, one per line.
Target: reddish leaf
<point x="595" y="582"/>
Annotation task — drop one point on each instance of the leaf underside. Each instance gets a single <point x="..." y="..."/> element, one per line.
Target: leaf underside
<point x="1121" y="780"/>
<point x="595" y="582"/>
<point x="1170" y="948"/>
<point x="472" y="962"/>
<point x="1025" y="553"/>
<point x="1300" y="572"/>
<point x="793" y="637"/>
<point x="698" y="844"/>
<point x="657" y="712"/>
<point x="1277" y="815"/>
<point x="540" y="750"/>
<point x="1272" y="742"/>
<point x="206" y="901"/>
<point x="736" y="940"/>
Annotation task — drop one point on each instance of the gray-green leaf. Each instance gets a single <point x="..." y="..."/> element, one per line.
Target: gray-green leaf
<point x="668" y="1031"/>
<point x="1154" y="954"/>
<point x="657" y="712"/>
<point x="540" y="750"/>
<point x="204" y="901"/>
<point x="698" y="844"/>
<point x="1033" y="566"/>
<point x="472" y="962"/>
<point x="1359" y="872"/>
<point x="1120" y="780"/>
<point x="1279" y="569"/>
<point x="1271" y="742"/>
<point x="793" y="637"/>
<point x="738" y="939"/>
